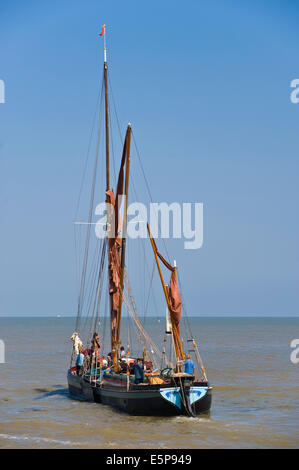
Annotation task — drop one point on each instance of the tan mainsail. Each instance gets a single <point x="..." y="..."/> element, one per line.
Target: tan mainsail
<point x="116" y="249"/>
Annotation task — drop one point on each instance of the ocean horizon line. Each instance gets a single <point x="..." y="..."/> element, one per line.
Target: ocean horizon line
<point x="155" y="316"/>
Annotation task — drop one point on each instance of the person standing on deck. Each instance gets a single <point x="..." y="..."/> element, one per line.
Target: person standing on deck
<point x="139" y="371"/>
<point x="79" y="362"/>
<point x="95" y="343"/>
<point x="109" y="359"/>
<point x="189" y="365"/>
<point x="122" y="353"/>
<point x="95" y="347"/>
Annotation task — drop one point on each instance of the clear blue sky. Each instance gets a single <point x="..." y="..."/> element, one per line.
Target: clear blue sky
<point x="206" y="85"/>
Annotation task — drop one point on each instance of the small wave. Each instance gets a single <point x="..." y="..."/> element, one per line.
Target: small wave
<point x="190" y="419"/>
<point x="64" y="392"/>
<point x="230" y="388"/>
<point x="39" y="439"/>
<point x="6" y="400"/>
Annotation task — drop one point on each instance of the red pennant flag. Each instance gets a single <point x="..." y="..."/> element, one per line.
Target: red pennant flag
<point x="103" y="31"/>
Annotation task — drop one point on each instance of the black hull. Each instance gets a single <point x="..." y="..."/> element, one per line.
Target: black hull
<point x="146" y="402"/>
<point x="139" y="400"/>
<point x="79" y="388"/>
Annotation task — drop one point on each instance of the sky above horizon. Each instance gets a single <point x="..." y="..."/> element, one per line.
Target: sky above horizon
<point x="206" y="86"/>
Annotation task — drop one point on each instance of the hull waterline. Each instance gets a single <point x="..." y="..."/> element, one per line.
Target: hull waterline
<point x="146" y="400"/>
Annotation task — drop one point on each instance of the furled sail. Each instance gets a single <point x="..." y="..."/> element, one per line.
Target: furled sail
<point x="175" y="301"/>
<point x="173" y="292"/>
<point x="114" y="267"/>
<point x="115" y="242"/>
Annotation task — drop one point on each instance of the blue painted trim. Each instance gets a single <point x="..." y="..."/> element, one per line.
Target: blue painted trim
<point x="173" y="395"/>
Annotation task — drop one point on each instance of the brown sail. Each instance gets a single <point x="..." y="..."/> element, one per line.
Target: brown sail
<point x="115" y="243"/>
<point x="175" y="301"/>
<point x="173" y="292"/>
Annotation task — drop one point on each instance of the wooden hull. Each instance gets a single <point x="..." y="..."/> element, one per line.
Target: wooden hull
<point x="161" y="400"/>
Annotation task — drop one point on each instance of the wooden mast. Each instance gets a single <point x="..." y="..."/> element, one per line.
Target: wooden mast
<point x="107" y="130"/>
<point x="115" y="339"/>
<point x="176" y="337"/>
<point x="113" y="345"/>
<point x="124" y="237"/>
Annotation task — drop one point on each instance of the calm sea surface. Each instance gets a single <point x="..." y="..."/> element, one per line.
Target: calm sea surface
<point x="255" y="396"/>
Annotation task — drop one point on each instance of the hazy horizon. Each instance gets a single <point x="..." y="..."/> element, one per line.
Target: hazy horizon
<point x="155" y="316"/>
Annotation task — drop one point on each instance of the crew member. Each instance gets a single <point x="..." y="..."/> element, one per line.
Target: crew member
<point x="189" y="365"/>
<point x="139" y="371"/>
<point x="79" y="362"/>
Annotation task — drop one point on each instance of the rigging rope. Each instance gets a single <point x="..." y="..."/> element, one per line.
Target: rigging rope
<point x="98" y="290"/>
<point x="148" y="188"/>
<point x="99" y="99"/>
<point x="134" y="314"/>
<point x="91" y="204"/>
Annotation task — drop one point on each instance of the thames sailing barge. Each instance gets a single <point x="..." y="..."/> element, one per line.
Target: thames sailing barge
<point x="166" y="388"/>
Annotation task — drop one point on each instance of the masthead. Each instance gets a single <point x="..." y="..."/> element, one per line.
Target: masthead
<point x="103" y="33"/>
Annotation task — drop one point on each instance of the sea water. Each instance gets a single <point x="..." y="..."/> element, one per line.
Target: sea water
<point x="248" y="362"/>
